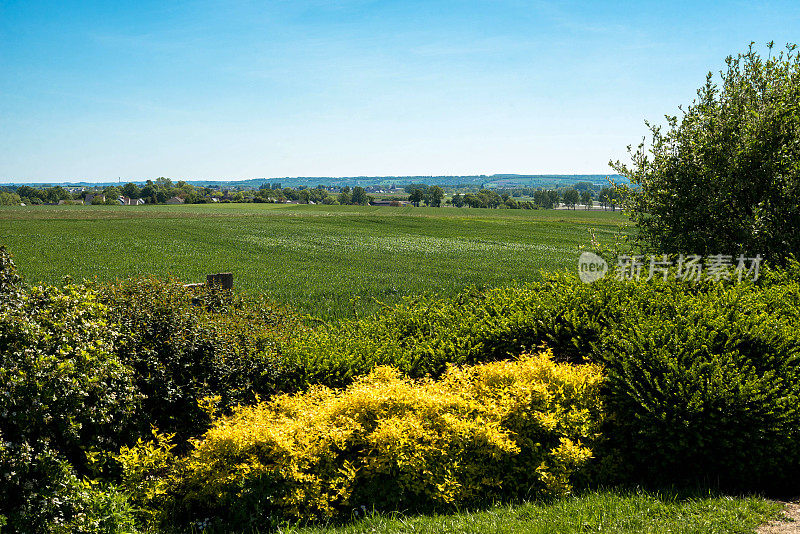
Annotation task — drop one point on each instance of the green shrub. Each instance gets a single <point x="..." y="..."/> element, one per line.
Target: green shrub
<point x="185" y="346"/>
<point x="422" y="336"/>
<point x="507" y="429"/>
<point x="708" y="390"/>
<point x="65" y="395"/>
<point x="101" y="508"/>
<point x="704" y="380"/>
<point x="87" y="370"/>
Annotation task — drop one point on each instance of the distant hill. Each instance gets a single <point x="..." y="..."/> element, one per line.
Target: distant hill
<point x="489" y="181"/>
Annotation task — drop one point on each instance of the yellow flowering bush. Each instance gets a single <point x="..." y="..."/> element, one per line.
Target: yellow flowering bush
<point x="146" y="475"/>
<point x="504" y="429"/>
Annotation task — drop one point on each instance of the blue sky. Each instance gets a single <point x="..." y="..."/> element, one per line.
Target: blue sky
<point x="237" y="89"/>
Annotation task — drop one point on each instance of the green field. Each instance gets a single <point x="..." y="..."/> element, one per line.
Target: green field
<point x="316" y="258"/>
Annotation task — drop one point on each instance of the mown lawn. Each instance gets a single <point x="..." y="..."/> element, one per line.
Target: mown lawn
<point x="609" y="512"/>
<point x="327" y="261"/>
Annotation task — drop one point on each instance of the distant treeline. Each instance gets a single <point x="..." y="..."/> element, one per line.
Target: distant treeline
<point x="163" y="190"/>
<point x="583" y="193"/>
<point x="153" y="192"/>
<point x="494" y="181"/>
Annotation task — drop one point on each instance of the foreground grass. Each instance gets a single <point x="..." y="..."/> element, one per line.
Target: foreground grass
<point x="328" y="261"/>
<point x="604" y="511"/>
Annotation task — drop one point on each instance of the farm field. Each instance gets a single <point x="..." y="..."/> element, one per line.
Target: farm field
<point x="315" y="258"/>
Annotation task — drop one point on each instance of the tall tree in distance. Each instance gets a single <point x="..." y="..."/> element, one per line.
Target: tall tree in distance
<point x="434" y="196"/>
<point x="553" y="198"/>
<point x="586" y="199"/>
<point x="416" y="196"/>
<point x="571" y="197"/>
<point x="131" y="190"/>
<point x="359" y="196"/>
<point x="345" y="197"/>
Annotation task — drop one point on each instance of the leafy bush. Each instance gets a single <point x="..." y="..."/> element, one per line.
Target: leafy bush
<point x="708" y="389"/>
<point x="87" y="370"/>
<point x="722" y="176"/>
<point x="185" y="346"/>
<point x="422" y="336"/>
<point x="100" y="509"/>
<point x="704" y="380"/>
<point x="65" y="395"/>
<point x="146" y="469"/>
<point x="507" y="429"/>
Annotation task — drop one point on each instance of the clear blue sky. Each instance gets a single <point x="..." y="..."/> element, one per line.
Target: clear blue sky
<point x="237" y="89"/>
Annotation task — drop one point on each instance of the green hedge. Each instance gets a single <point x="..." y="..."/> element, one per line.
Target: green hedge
<point x="185" y="346"/>
<point x="65" y="395"/>
<point x="86" y="370"/>
<point x="704" y="380"/>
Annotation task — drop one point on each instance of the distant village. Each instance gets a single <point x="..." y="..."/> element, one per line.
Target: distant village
<point x="581" y="195"/>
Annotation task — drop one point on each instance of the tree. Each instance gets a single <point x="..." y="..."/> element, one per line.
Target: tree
<point x="458" y="200"/>
<point x="344" y="196"/>
<point x="571" y="197"/>
<point x="723" y="177"/>
<point x="603" y="197"/>
<point x="586" y="198"/>
<point x="416" y="196"/>
<point x="291" y="194"/>
<point x="434" y="196"/>
<point x="26" y="191"/>
<point x="609" y="197"/>
<point x="539" y="198"/>
<point x="112" y="192"/>
<point x="488" y="199"/>
<point x="553" y="198"/>
<point x="359" y="196"/>
<point x="54" y="194"/>
<point x="148" y="192"/>
<point x="9" y="199"/>
<point x="131" y="190"/>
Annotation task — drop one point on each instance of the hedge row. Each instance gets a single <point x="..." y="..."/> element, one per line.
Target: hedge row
<point x="702" y="381"/>
<point x="86" y="370"/>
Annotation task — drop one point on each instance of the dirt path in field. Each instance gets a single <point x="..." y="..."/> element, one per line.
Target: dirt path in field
<point x="791" y="525"/>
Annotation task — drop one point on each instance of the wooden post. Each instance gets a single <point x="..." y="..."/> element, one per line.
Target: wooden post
<point x="220" y="281"/>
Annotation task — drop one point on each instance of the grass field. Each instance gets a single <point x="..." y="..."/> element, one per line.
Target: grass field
<point x="316" y="258"/>
<point x="610" y="512"/>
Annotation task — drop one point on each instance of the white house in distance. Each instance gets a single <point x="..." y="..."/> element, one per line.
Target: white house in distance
<point x="127" y="201"/>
